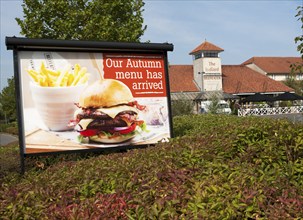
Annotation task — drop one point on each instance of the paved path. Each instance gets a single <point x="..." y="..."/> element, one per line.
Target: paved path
<point x="7" y="138"/>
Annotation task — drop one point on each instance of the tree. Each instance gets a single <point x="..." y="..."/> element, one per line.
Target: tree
<point x="8" y="101"/>
<point x="182" y="106"/>
<point x="299" y="39"/>
<point x="2" y="115"/>
<point x="297" y="68"/>
<point x="213" y="107"/>
<point x="116" y="20"/>
<point x="292" y="80"/>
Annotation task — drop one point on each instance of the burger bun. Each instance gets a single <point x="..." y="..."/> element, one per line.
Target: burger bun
<point x="105" y="93"/>
<point x="115" y="140"/>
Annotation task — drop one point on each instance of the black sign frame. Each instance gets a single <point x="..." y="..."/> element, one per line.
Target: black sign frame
<point x="25" y="44"/>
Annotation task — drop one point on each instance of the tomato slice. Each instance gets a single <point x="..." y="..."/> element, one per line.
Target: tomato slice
<point x="131" y="128"/>
<point x="92" y="132"/>
<point x="89" y="132"/>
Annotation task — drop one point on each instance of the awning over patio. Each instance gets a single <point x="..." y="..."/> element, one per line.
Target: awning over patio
<point x="287" y="96"/>
<point x="258" y="97"/>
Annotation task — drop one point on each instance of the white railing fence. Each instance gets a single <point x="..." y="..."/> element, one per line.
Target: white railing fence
<point x="246" y="111"/>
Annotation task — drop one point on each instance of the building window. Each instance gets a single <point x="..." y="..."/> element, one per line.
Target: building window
<point x="210" y="54"/>
<point x="197" y="56"/>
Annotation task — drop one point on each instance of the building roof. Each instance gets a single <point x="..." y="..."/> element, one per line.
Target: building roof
<point x="239" y="79"/>
<point x="207" y="95"/>
<point x="206" y="46"/>
<point x="183" y="95"/>
<point x="274" y="64"/>
<point x="181" y="78"/>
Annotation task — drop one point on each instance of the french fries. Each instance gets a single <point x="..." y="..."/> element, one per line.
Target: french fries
<point x="61" y="78"/>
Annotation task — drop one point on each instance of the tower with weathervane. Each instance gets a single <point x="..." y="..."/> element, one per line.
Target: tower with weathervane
<point x="207" y="67"/>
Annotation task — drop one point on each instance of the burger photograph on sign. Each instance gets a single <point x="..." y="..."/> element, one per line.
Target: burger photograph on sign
<point x="108" y="113"/>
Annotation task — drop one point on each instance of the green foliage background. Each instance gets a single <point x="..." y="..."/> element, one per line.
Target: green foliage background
<point x="217" y="167"/>
<point x="116" y="20"/>
<point x="297" y="68"/>
<point x="8" y="102"/>
<point x="214" y="104"/>
<point x="299" y="39"/>
<point x="182" y="107"/>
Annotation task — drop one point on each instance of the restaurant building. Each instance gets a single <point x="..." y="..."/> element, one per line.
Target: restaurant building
<point x="277" y="68"/>
<point x="207" y="76"/>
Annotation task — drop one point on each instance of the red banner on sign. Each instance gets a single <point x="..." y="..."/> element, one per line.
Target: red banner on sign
<point x="143" y="74"/>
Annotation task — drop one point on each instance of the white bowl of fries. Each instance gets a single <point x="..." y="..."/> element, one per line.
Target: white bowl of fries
<point x="56" y="105"/>
<point x="55" y="94"/>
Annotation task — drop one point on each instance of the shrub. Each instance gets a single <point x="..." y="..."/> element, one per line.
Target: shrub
<point x="182" y="107"/>
<point x="213" y="107"/>
<point x="11" y="128"/>
<point x="216" y="167"/>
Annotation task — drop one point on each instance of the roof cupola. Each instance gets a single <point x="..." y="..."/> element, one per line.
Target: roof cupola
<point x="207" y="67"/>
<point x="206" y="49"/>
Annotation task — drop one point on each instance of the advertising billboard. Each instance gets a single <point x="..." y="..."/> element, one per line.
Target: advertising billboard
<point x="75" y="95"/>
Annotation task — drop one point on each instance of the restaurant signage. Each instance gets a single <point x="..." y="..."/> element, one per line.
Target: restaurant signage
<point x="90" y="95"/>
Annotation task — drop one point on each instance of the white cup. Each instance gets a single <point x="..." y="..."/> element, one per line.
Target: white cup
<point x="56" y="105"/>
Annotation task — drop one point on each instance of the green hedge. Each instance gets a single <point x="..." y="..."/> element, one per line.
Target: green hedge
<point x="11" y="128"/>
<point x="217" y="167"/>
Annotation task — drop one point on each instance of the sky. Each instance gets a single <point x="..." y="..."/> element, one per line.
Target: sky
<point x="243" y="28"/>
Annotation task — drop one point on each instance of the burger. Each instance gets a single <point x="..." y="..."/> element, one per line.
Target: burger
<point x="108" y="113"/>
